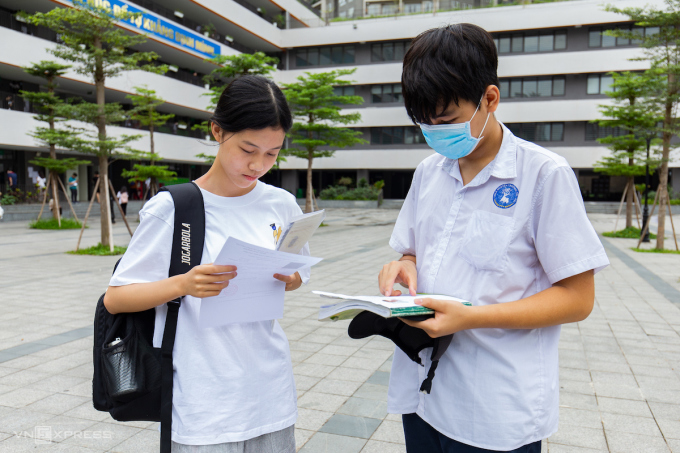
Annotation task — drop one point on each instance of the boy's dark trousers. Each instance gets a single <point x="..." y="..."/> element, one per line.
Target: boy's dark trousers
<point x="422" y="438"/>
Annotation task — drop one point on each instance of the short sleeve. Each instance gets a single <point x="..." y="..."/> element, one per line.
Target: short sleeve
<point x="403" y="238"/>
<point x="566" y="242"/>
<point x="147" y="258"/>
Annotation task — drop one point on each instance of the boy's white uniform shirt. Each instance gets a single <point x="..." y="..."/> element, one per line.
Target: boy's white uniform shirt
<point x="235" y="382"/>
<point x="518" y="227"/>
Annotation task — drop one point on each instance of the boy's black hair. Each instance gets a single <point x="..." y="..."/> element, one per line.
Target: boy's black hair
<point x="252" y="102"/>
<point x="447" y="64"/>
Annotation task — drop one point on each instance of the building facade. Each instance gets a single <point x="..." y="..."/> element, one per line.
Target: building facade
<point x="554" y="65"/>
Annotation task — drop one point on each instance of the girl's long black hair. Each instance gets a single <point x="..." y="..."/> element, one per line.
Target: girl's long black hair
<point x="252" y="102"/>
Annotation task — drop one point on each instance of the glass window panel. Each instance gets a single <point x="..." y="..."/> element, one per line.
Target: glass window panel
<point x="650" y="31"/>
<point x="594" y="38"/>
<point x="608" y="41"/>
<point x="375" y="135"/>
<point x="560" y="40"/>
<point x="623" y="41"/>
<point x="399" y="51"/>
<point x="301" y="58"/>
<point x="336" y="54"/>
<point x="638" y="31"/>
<point x="505" y="89"/>
<point x="531" y="43"/>
<point x="388" y="52"/>
<point x="606" y="83"/>
<point x="544" y="87"/>
<point x="557" y="132"/>
<point x="593" y="86"/>
<point x="398" y="135"/>
<point x="387" y="93"/>
<point x="313" y="57"/>
<point x="516" y="88"/>
<point x="495" y="41"/>
<point x="376" y="94"/>
<point x="528" y="132"/>
<point x="349" y="91"/>
<point x="517" y="43"/>
<point x="427" y="6"/>
<point x="591" y="131"/>
<point x="545" y="43"/>
<point x="325" y="56"/>
<point x="408" y="136"/>
<point x="348" y="54"/>
<point x="419" y="138"/>
<point x="337" y="91"/>
<point x="389" y="9"/>
<point x="373" y="9"/>
<point x="505" y="44"/>
<point x="530" y="88"/>
<point x="558" y="86"/>
<point x="376" y="52"/>
<point x="386" y="136"/>
<point x="542" y="132"/>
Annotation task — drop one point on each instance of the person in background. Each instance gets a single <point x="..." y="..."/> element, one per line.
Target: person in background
<point x="73" y="186"/>
<point x="40" y="182"/>
<point x="13" y="180"/>
<point x="123" y="199"/>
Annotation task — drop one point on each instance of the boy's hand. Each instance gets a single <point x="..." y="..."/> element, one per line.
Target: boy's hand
<point x="292" y="282"/>
<point x="449" y="317"/>
<point x="402" y="272"/>
<point x="207" y="280"/>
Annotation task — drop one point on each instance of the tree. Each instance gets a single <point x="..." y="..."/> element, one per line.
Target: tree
<point x="317" y="108"/>
<point x="229" y="68"/>
<point x="99" y="49"/>
<point x="146" y="102"/>
<point x="630" y="116"/>
<point x="661" y="47"/>
<point x="49" y="106"/>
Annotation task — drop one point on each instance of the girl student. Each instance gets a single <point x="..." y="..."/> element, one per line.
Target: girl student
<point x="233" y="385"/>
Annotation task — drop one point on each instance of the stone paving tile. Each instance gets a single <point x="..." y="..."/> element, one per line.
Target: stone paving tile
<point x="349" y="425"/>
<point x="620" y="390"/>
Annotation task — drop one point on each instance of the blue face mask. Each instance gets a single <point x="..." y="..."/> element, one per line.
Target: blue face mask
<point x="453" y="140"/>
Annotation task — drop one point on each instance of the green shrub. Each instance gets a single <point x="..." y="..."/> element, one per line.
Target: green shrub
<point x="99" y="250"/>
<point x="8" y="199"/>
<point x="630" y="233"/>
<point x="51" y="224"/>
<point x="343" y="193"/>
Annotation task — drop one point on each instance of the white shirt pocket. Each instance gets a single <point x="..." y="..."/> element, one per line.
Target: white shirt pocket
<point x="486" y="240"/>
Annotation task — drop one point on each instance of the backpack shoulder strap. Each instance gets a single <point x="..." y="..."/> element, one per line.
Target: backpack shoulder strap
<point x="187" y="250"/>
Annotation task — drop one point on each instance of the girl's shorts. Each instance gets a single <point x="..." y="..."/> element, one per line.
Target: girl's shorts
<point x="277" y="442"/>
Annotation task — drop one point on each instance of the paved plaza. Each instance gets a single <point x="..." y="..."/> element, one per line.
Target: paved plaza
<point x="620" y="386"/>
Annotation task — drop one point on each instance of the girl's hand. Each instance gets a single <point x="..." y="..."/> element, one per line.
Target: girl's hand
<point x="402" y="272"/>
<point x="207" y="280"/>
<point x="292" y="282"/>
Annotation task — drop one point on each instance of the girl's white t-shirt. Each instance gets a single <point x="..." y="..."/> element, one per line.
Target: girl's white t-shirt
<point x="235" y="382"/>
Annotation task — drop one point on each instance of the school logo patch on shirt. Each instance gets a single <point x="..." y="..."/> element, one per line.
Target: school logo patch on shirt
<point x="277" y="232"/>
<point x="505" y="196"/>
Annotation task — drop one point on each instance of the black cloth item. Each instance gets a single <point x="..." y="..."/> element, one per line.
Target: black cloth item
<point x="409" y="339"/>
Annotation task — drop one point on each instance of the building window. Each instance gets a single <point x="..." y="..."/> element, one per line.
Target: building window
<point x="599" y="83"/>
<point x="345" y="90"/>
<point x="595" y="131"/>
<point x="391" y="92"/>
<point x="399" y="135"/>
<point x="598" y="38"/>
<point x="538" y="132"/>
<point x="529" y="87"/>
<point x="531" y="42"/>
<point x="389" y="51"/>
<point x="323" y="56"/>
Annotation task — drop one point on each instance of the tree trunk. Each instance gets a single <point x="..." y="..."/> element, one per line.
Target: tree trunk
<point x="310" y="188"/>
<point x="629" y="201"/>
<point x="53" y="155"/>
<point x="663" y="174"/>
<point x="104" y="205"/>
<point x="152" y="145"/>
<point x="55" y="197"/>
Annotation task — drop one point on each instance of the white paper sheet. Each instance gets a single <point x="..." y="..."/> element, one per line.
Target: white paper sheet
<point x="254" y="295"/>
<point x="389" y="301"/>
<point x="299" y="230"/>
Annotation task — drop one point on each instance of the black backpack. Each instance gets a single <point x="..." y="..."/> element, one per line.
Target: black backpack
<point x="132" y="379"/>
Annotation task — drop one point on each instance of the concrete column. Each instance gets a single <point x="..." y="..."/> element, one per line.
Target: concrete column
<point x="82" y="183"/>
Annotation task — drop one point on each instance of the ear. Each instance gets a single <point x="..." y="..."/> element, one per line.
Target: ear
<point x="216" y="131"/>
<point x="492" y="97"/>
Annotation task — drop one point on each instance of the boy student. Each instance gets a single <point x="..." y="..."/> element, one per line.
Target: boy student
<point x="500" y="222"/>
